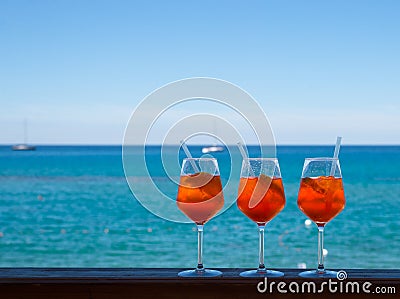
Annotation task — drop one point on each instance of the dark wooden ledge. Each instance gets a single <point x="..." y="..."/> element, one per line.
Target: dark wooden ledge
<point x="96" y="283"/>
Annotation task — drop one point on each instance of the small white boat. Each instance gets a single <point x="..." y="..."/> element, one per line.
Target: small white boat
<point x="23" y="147"/>
<point x="212" y="149"/>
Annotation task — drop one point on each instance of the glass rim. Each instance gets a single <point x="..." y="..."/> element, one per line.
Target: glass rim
<point x="198" y="159"/>
<point x="322" y="159"/>
<point x="261" y="159"/>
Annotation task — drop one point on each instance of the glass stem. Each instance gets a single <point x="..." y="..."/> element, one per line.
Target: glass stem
<point x="320" y="268"/>
<point x="200" y="266"/>
<point x="261" y="266"/>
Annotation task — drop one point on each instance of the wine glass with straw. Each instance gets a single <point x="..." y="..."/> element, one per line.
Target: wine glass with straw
<point x="200" y="198"/>
<point x="260" y="197"/>
<point x="321" y="198"/>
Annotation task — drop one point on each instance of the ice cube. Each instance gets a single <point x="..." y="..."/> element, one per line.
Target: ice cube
<point x="319" y="184"/>
<point x="196" y="180"/>
<point x="260" y="190"/>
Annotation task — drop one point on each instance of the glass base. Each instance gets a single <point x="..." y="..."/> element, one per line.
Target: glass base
<point x="317" y="274"/>
<point x="264" y="273"/>
<point x="200" y="273"/>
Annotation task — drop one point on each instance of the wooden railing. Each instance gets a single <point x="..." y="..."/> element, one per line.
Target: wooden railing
<point x="93" y="283"/>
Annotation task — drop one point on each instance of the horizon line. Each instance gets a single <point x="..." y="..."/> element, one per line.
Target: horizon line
<point x="176" y="144"/>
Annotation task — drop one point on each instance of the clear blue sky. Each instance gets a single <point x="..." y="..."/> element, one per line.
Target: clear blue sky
<point x="76" y="69"/>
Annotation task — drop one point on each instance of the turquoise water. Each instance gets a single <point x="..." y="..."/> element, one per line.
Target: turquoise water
<point x="71" y="207"/>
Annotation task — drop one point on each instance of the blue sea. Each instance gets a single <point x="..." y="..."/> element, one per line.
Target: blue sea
<point x="71" y="206"/>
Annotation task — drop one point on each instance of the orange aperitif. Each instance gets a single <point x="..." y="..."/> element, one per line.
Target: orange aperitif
<point x="200" y="196"/>
<point x="261" y="198"/>
<point x="321" y="198"/>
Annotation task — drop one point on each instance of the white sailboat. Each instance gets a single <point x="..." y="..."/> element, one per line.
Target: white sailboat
<point x="213" y="148"/>
<point x="24" y="146"/>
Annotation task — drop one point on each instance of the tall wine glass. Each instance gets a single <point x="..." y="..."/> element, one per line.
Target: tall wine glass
<point x="261" y="197"/>
<point x="200" y="197"/>
<point x="321" y="198"/>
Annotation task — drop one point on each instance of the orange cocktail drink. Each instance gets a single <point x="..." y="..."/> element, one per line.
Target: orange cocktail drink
<point x="261" y="198"/>
<point x="200" y="196"/>
<point x="321" y="198"/>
